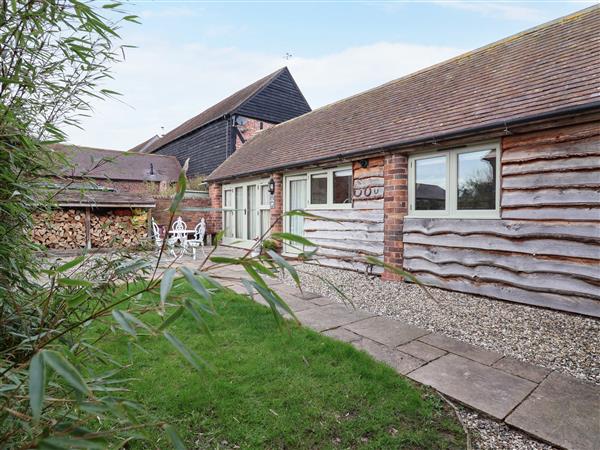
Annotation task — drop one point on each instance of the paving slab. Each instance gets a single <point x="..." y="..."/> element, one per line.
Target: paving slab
<point x="322" y="301"/>
<point x="330" y="316"/>
<point x="342" y="334"/>
<point x="461" y="348"/>
<point x="402" y="362"/>
<point x="295" y="303"/>
<point x="422" y="350"/>
<point x="563" y="411"/>
<point x="484" y="388"/>
<point x="387" y="331"/>
<point x="522" y="369"/>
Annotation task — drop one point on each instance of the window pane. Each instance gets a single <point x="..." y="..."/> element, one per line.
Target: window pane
<point x="430" y="189"/>
<point x="265" y="196"/>
<point x="228" y="224"/>
<point x="477" y="180"/>
<point x="227" y="199"/>
<point x="265" y="220"/>
<point x="239" y="213"/>
<point x="342" y="186"/>
<point x="252" y="216"/>
<point x="318" y="189"/>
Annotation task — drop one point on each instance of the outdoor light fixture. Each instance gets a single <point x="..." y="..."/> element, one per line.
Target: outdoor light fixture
<point x="364" y="163"/>
<point x="271" y="186"/>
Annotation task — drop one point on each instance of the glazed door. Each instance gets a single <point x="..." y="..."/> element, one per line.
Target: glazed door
<point x="295" y="199"/>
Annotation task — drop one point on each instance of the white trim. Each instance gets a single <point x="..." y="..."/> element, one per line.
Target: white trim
<point x="451" y="210"/>
<point x="329" y="175"/>
<point x="237" y="241"/>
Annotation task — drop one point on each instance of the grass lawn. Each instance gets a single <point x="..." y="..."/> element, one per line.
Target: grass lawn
<point x="281" y="389"/>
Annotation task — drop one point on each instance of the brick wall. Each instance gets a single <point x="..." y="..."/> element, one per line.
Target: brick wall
<point x="161" y="213"/>
<point x="395" y="207"/>
<point x="277" y="209"/>
<point x="215" y="194"/>
<point x="249" y="130"/>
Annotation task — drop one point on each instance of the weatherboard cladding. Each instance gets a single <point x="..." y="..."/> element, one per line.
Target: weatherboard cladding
<point x="206" y="148"/>
<point x="278" y="101"/>
<point x="544" y="70"/>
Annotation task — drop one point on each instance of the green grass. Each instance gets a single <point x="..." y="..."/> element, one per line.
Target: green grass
<point x="281" y="389"/>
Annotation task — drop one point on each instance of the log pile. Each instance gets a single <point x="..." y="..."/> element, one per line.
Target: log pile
<point x="66" y="228"/>
<point x="113" y="229"/>
<point x="61" y="229"/>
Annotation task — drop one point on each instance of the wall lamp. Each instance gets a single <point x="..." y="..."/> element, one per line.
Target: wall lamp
<point x="271" y="186"/>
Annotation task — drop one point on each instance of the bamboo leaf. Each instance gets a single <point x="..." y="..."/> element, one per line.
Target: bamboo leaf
<point x="73" y="282"/>
<point x="37" y="385"/>
<point x="293" y="238"/>
<point x="280" y="260"/>
<point x="181" y="186"/>
<point x="166" y="283"/>
<point x="196" y="285"/>
<point x="70" y="264"/>
<point x="169" y="320"/>
<point x="191" y="357"/>
<point x="124" y="322"/>
<point x="66" y="370"/>
<point x="199" y="319"/>
<point x="175" y="438"/>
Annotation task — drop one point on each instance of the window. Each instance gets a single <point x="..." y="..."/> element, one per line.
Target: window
<point x="264" y="209"/>
<point x="455" y="183"/>
<point x="342" y="186"/>
<point x="318" y="189"/>
<point x="228" y="213"/>
<point x="330" y="188"/>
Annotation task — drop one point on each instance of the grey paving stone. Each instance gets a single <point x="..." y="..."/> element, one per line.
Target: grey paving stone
<point x="330" y="316"/>
<point x="386" y="331"/>
<point x="461" y="348"/>
<point x="482" y="387"/>
<point x="402" y="362"/>
<point x="422" y="350"/>
<point x="522" y="369"/>
<point x="563" y="411"/>
<point x="295" y="303"/>
<point x="322" y="301"/>
<point x="342" y="334"/>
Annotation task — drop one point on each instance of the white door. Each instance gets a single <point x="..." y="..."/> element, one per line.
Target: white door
<point x="295" y="198"/>
<point x="243" y="214"/>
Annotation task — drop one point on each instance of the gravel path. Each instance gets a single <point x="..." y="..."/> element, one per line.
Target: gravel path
<point x="564" y="342"/>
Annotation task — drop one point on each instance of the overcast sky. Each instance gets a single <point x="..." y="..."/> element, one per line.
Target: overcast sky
<point x="191" y="54"/>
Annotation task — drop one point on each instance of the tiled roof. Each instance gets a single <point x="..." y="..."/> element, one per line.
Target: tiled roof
<point x="97" y="198"/>
<point x="550" y="68"/>
<point x="115" y="165"/>
<point x="224" y="107"/>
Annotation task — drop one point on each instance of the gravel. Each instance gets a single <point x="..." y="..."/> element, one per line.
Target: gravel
<point x="567" y="343"/>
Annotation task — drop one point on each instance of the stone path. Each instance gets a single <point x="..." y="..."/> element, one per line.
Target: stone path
<point x="549" y="406"/>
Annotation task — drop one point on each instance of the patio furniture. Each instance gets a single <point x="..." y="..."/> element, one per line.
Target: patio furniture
<point x="178" y="235"/>
<point x="158" y="241"/>
<point x="198" y="239"/>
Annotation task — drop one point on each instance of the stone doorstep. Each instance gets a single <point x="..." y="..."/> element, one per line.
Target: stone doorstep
<point x="481" y="387"/>
<point x="461" y="348"/>
<point x="563" y="411"/>
<point x="386" y="331"/>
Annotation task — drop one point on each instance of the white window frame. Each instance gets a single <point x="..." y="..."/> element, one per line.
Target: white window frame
<point x="329" y="175"/>
<point x="451" y="210"/>
<point x="232" y="187"/>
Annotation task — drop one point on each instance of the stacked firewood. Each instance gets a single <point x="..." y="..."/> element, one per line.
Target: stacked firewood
<point x="60" y="229"/>
<point x="113" y="230"/>
<point x="66" y="229"/>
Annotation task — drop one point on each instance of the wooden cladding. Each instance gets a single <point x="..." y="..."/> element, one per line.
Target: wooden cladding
<point x="352" y="234"/>
<point x="545" y="249"/>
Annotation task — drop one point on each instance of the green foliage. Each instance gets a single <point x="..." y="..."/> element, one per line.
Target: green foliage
<point x="293" y="390"/>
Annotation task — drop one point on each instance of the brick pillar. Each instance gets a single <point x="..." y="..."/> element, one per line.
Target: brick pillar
<point x="215" y="221"/>
<point x="277" y="209"/>
<point x="395" y="207"/>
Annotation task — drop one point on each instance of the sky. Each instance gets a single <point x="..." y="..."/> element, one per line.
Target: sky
<point x="191" y="54"/>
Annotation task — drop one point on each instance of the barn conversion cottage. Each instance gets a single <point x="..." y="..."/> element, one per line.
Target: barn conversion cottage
<point x="480" y="174"/>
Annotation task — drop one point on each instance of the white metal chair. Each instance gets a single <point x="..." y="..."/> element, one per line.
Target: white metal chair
<point x="158" y="241"/>
<point x="177" y="234"/>
<point x="198" y="240"/>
